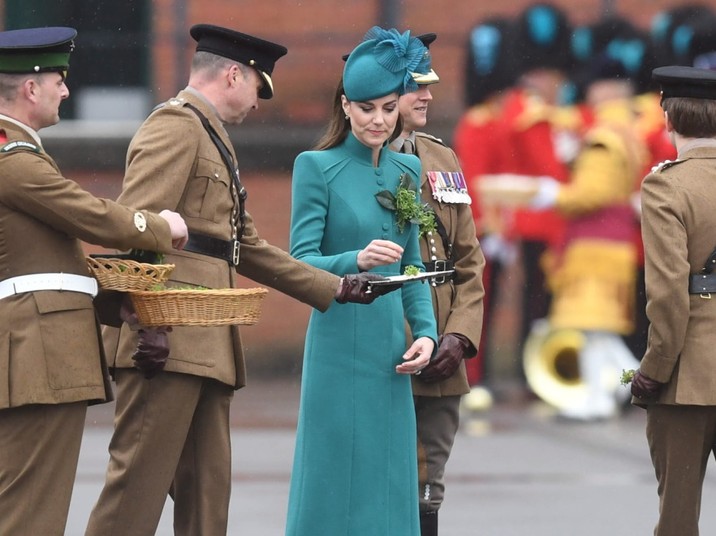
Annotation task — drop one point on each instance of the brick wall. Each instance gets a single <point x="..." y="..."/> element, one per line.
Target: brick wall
<point x="317" y="33"/>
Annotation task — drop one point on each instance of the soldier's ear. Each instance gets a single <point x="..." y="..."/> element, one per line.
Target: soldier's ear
<point x="667" y="122"/>
<point x="29" y="88"/>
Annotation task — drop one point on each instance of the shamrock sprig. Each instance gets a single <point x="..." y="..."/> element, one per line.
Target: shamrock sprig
<point x="411" y="270"/>
<point x="407" y="206"/>
<point x="627" y="376"/>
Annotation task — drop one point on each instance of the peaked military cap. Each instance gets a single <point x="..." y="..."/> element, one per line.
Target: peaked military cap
<point x="682" y="81"/>
<point x="430" y="76"/>
<point x="240" y="47"/>
<point x="36" y="50"/>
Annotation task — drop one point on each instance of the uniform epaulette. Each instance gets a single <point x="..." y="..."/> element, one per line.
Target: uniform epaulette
<point x="18" y="145"/>
<point x="666" y="164"/>
<point x="480" y="115"/>
<point x="430" y="137"/>
<point x="174" y="101"/>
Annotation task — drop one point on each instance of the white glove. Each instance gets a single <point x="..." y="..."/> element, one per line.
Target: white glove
<point x="497" y="248"/>
<point x="546" y="195"/>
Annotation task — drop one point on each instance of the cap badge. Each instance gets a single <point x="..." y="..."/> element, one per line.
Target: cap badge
<point x="140" y="222"/>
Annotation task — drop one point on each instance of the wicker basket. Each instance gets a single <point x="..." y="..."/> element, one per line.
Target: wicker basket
<point x="127" y="275"/>
<point x="187" y="307"/>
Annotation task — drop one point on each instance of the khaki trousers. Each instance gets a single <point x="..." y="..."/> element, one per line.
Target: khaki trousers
<point x="171" y="437"/>
<point x="681" y="438"/>
<point x="437" y="421"/>
<point x="39" y="449"/>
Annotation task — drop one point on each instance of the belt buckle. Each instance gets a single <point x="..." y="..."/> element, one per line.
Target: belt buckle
<point x="235" y="246"/>
<point x="440" y="265"/>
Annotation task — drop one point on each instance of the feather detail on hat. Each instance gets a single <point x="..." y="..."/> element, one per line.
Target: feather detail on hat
<point x="396" y="52"/>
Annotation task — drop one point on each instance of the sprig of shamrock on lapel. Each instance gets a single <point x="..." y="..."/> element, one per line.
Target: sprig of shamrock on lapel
<point x="407" y="206"/>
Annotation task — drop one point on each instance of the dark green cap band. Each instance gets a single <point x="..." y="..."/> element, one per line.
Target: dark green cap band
<point x="36" y="50"/>
<point x="34" y="62"/>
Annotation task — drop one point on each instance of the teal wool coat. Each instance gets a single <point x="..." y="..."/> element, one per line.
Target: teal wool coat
<point x="355" y="467"/>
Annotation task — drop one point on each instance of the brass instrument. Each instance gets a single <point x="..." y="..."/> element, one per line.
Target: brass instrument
<point x="551" y="364"/>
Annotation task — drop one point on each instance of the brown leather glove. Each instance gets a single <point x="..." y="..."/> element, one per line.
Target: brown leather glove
<point x="355" y="288"/>
<point x="152" y="350"/>
<point x="644" y="387"/>
<point x="452" y="349"/>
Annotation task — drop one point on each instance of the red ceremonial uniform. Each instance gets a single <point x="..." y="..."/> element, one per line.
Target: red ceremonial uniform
<point x="541" y="139"/>
<point x="479" y="133"/>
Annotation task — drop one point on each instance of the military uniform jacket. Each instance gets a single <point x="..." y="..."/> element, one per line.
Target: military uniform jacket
<point x="458" y="304"/>
<point x="477" y="140"/>
<point x="679" y="231"/>
<point x="50" y="350"/>
<point x="172" y="163"/>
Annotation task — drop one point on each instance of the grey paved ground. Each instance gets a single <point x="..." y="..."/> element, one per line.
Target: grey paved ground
<point x="515" y="471"/>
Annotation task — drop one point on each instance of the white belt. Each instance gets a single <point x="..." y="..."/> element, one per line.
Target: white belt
<point x="34" y="282"/>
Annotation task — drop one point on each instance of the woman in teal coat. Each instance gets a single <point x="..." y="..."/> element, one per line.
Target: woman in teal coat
<point x="355" y="467"/>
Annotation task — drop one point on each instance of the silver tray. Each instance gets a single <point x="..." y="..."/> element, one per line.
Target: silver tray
<point x="409" y="278"/>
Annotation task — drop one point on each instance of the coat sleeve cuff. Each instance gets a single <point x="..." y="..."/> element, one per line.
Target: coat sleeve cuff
<point x="657" y="367"/>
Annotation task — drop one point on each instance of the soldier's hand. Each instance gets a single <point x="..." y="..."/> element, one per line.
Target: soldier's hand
<point x="546" y="195"/>
<point x="178" y="228"/>
<point x="452" y="349"/>
<point x="355" y="288"/>
<point x="644" y="387"/>
<point x="152" y="350"/>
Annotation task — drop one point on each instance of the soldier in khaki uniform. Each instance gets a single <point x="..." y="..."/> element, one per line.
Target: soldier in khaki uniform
<point x="676" y="381"/>
<point x="51" y="359"/>
<point x="172" y="432"/>
<point x="457" y="299"/>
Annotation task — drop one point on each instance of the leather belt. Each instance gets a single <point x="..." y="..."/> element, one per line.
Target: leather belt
<point x="227" y="250"/>
<point x="439" y="266"/>
<point x="702" y="283"/>
<point x="51" y="281"/>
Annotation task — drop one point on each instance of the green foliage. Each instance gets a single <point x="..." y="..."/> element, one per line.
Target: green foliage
<point x="162" y="286"/>
<point x="407" y="206"/>
<point x="411" y="270"/>
<point x="627" y="376"/>
<point x="149" y="257"/>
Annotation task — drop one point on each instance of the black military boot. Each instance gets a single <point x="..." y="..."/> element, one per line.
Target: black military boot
<point x="429" y="523"/>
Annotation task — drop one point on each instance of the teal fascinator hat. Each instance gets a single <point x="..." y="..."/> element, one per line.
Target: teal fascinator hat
<point x="384" y="63"/>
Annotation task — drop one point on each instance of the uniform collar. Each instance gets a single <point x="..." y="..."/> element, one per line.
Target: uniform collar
<point x="699" y="143"/>
<point x="207" y="108"/>
<point x="398" y="143"/>
<point x="32" y="132"/>
<point x="203" y="99"/>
